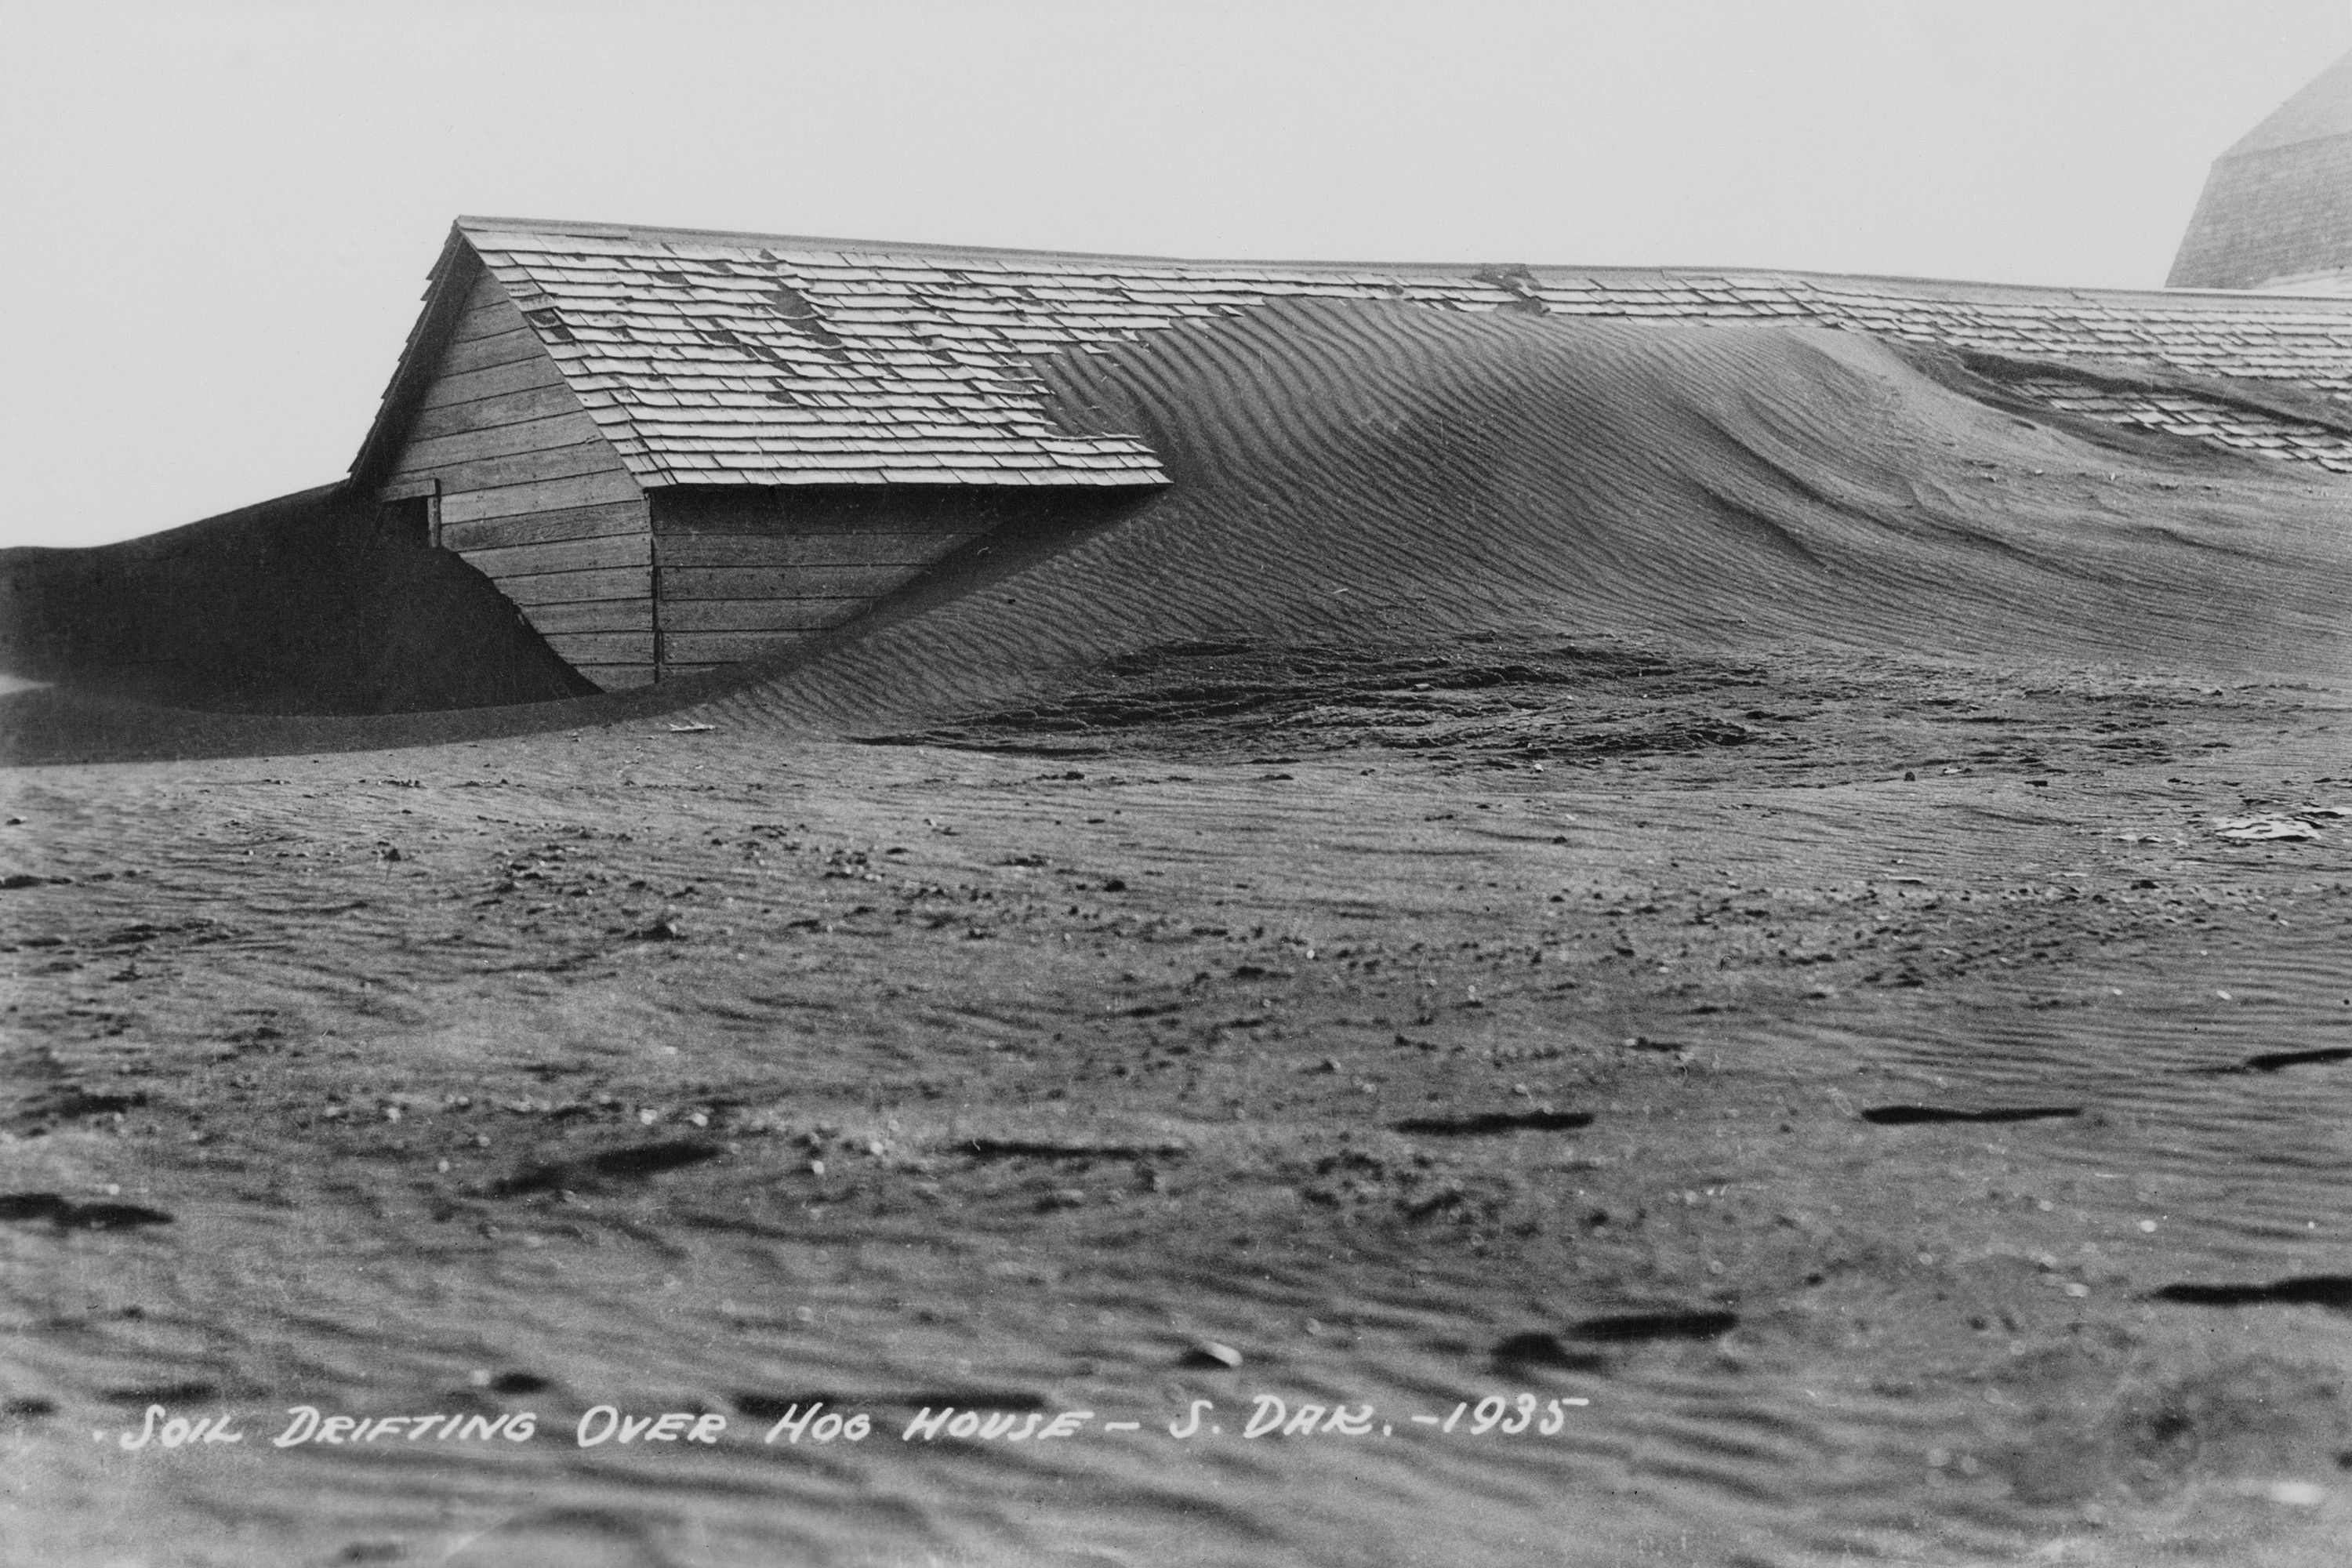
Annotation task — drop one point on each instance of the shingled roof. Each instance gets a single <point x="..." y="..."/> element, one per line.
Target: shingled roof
<point x="2276" y="209"/>
<point x="716" y="358"/>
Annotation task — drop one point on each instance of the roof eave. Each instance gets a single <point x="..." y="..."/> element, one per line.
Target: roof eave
<point x="450" y="282"/>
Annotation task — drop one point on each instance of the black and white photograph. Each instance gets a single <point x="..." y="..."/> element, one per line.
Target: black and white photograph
<point x="1083" y="784"/>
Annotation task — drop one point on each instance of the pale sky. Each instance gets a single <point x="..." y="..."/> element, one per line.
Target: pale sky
<point x="219" y="215"/>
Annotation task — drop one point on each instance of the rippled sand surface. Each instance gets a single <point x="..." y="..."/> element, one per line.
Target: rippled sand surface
<point x="1718" y="1020"/>
<point x="662" y="1072"/>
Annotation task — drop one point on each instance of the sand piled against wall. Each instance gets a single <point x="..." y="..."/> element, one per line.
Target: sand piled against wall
<point x="302" y="604"/>
<point x="1352" y="470"/>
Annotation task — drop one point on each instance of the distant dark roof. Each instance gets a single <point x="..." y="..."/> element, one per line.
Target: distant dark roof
<point x="716" y="358"/>
<point x="2322" y="108"/>
<point x="2277" y="206"/>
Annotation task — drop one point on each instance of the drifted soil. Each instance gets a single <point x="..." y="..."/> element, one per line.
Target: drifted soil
<point x="1681" y="869"/>
<point x="312" y="604"/>
<point x="1941" y="1168"/>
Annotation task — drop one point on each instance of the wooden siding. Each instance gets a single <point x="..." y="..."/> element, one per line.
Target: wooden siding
<point x="744" y="572"/>
<point x="531" y="494"/>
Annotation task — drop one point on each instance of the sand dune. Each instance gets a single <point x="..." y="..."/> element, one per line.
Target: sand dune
<point x="1341" y="470"/>
<point x="297" y="605"/>
<point x="1682" y="871"/>
<point x="1350" y="469"/>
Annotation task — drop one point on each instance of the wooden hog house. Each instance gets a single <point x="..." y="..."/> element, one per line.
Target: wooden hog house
<point x="674" y="449"/>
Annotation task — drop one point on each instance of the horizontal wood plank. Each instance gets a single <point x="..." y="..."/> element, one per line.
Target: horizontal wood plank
<point x="594" y="615"/>
<point x="493" y="439"/>
<point x="483" y="324"/>
<point x="723" y="647"/>
<point x="563" y="556"/>
<point x="792" y="583"/>
<point x="517" y="342"/>
<point x="592" y="457"/>
<point x="832" y="509"/>
<point x="618" y="677"/>
<point x="487" y="317"/>
<point x="546" y="495"/>
<point x="576" y="587"/>
<point x="540" y="528"/>
<point x="467" y="386"/>
<point x="910" y="550"/>
<point x="756" y="615"/>
<point x="780" y="509"/>
<point x="489" y="413"/>
<point x="602" y="647"/>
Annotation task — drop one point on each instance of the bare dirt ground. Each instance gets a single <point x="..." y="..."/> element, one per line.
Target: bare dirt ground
<point x="1643" y="921"/>
<point x="1875" y="1087"/>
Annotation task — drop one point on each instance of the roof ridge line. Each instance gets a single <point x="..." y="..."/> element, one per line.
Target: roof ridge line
<point x="657" y="233"/>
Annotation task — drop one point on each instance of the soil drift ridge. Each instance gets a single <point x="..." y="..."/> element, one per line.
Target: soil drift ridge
<point x="1348" y="471"/>
<point x="304" y="605"/>
<point x="1344" y="472"/>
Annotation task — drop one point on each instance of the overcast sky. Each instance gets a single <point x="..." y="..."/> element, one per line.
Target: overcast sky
<point x="219" y="215"/>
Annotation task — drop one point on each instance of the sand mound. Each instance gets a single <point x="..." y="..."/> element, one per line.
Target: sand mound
<point x="1359" y="471"/>
<point x="300" y="605"/>
<point x="1344" y="472"/>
